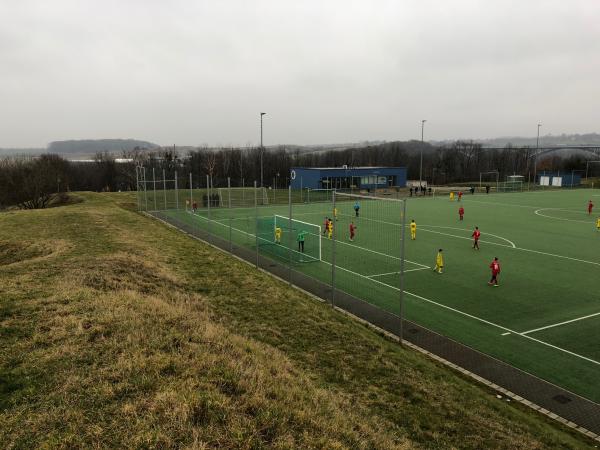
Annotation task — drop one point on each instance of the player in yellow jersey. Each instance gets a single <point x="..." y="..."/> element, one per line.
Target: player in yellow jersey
<point x="277" y="235"/>
<point x="452" y="196"/>
<point x="329" y="228"/>
<point x="335" y="211"/>
<point x="439" y="262"/>
<point x="598" y="223"/>
<point x="413" y="230"/>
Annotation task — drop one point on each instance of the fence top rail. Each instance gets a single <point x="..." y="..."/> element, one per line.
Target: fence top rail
<point x="368" y="197"/>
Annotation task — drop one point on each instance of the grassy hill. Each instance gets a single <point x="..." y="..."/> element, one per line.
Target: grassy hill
<point x="116" y="331"/>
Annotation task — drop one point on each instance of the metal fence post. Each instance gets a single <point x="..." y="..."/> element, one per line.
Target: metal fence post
<point x="229" y="206"/>
<point x="145" y="191"/>
<point x="208" y="203"/>
<point x="165" y="189"/>
<point x="256" y="221"/>
<point x="154" y="187"/>
<point x="290" y="237"/>
<point x="176" y="193"/>
<point x="333" y="256"/>
<point x="191" y="196"/>
<point x="137" y="188"/>
<point x="402" y="268"/>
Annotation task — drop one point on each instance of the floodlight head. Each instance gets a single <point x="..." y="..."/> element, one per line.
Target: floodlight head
<point x="262" y="114"/>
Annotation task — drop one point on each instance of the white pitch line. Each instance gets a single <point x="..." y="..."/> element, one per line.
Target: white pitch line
<point x="379" y="253"/>
<point x="418" y="268"/>
<point x="538" y="213"/>
<point x="558" y="256"/>
<point x="383" y="274"/>
<point x="561" y="323"/>
<point x="395" y="273"/>
<point x="506" y="334"/>
<point x="463" y="313"/>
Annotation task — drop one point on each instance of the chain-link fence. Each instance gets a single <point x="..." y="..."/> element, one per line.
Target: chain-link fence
<point x="316" y="239"/>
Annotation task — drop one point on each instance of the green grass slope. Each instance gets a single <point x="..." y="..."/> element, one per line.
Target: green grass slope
<point x="116" y="331"/>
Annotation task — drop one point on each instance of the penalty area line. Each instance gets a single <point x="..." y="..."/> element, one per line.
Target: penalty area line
<point x="560" y="323"/>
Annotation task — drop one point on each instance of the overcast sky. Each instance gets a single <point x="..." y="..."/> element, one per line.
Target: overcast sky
<point x="192" y="72"/>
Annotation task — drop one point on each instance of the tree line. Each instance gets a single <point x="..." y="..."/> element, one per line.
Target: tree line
<point x="32" y="182"/>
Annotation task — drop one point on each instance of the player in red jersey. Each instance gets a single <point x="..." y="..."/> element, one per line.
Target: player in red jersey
<point x="590" y="206"/>
<point x="459" y="195"/>
<point x="476" y="234"/>
<point x="325" y="225"/>
<point x="461" y="212"/>
<point x="495" y="266"/>
<point x="352" y="231"/>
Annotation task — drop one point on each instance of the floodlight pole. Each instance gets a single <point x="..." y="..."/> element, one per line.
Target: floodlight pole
<point x="537" y="149"/>
<point x="422" y="143"/>
<point x="262" y="150"/>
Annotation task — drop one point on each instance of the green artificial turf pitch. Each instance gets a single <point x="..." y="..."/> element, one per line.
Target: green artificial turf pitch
<point x="544" y="317"/>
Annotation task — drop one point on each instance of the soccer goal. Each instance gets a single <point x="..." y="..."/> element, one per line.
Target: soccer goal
<point x="511" y="186"/>
<point x="291" y="231"/>
<point x="243" y="196"/>
<point x="319" y="195"/>
<point x="487" y="179"/>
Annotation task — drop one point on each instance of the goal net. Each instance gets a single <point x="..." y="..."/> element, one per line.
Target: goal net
<point x="511" y="186"/>
<point x="286" y="244"/>
<point x="243" y="196"/>
<point x="318" y="195"/>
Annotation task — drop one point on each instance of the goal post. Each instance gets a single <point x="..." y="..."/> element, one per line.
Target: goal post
<point x="494" y="174"/>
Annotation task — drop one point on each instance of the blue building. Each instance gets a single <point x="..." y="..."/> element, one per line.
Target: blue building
<point x="347" y="177"/>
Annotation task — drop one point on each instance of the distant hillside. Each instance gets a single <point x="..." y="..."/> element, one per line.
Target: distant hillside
<point x="545" y="140"/>
<point x="93" y="146"/>
<point x="562" y="139"/>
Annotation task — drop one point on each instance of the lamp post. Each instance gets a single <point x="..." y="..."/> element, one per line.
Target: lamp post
<point x="421" y="163"/>
<point x="537" y="149"/>
<point x="262" y="150"/>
